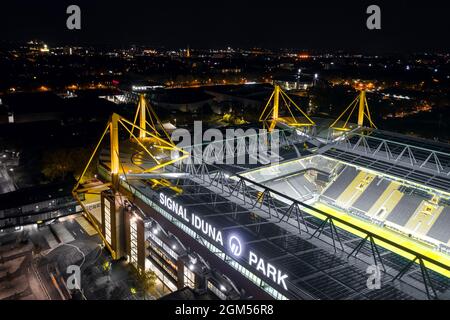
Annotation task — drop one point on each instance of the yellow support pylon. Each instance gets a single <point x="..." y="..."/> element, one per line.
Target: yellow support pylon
<point x="362" y="99"/>
<point x="359" y="102"/>
<point x="116" y="169"/>
<point x="114" y="148"/>
<point x="271" y="113"/>
<point x="142" y="107"/>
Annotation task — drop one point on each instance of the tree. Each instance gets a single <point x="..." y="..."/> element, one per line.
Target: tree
<point x="146" y="281"/>
<point x="57" y="164"/>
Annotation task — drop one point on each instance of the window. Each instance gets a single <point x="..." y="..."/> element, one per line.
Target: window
<point x="108" y="221"/>
<point x="189" y="277"/>
<point x="216" y="291"/>
<point x="133" y="241"/>
<point x="166" y="281"/>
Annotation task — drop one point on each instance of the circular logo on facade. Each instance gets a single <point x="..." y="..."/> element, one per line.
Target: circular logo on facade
<point x="235" y="246"/>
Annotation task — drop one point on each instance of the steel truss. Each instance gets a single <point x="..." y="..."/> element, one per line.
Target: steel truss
<point x="395" y="152"/>
<point x="274" y="207"/>
<point x="263" y="147"/>
<point x="374" y="250"/>
<point x="425" y="275"/>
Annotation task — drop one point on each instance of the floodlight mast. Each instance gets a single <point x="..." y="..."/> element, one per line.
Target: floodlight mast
<point x="116" y="169"/>
<point x="142" y="107"/>
<point x="362" y="99"/>
<point x="114" y="146"/>
<point x="359" y="102"/>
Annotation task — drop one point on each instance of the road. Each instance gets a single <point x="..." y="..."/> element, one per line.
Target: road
<point x="6" y="182"/>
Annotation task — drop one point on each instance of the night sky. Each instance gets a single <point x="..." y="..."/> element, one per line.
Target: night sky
<point x="316" y="24"/>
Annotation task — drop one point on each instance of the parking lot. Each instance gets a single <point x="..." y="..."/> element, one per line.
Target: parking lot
<point x="34" y="263"/>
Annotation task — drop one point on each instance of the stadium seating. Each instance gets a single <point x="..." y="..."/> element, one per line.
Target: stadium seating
<point x="404" y="209"/>
<point x="336" y="188"/>
<point x="371" y="194"/>
<point x="267" y="174"/>
<point x="372" y="197"/>
<point x="421" y="222"/>
<point x="297" y="187"/>
<point x="354" y="189"/>
<point x="441" y="227"/>
<point x="386" y="201"/>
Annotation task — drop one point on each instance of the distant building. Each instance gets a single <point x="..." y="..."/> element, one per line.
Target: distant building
<point x="181" y="99"/>
<point x="147" y="245"/>
<point x="245" y="96"/>
<point x="21" y="107"/>
<point x="37" y="204"/>
<point x="47" y="106"/>
<point x="296" y="82"/>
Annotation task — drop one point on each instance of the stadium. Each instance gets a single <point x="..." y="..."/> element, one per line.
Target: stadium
<point x="340" y="211"/>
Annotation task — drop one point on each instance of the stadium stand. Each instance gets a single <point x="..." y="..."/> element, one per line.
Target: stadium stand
<point x="372" y="197"/>
<point x="301" y="183"/>
<point x="336" y="188"/>
<point x="354" y="189"/>
<point x="388" y="200"/>
<point x="371" y="194"/>
<point x="421" y="222"/>
<point x="317" y="163"/>
<point x="404" y="209"/>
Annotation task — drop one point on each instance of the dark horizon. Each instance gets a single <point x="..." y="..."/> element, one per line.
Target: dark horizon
<point x="322" y="25"/>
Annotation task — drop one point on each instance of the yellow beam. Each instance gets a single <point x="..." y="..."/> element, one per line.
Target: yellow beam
<point x="301" y="124"/>
<point x="273" y="123"/>
<point x="148" y="119"/>
<point x="350" y="114"/>
<point x="290" y="111"/>
<point x="161" y="165"/>
<point x="369" y="116"/>
<point x="342" y="114"/>
<point x="276" y="102"/>
<point x="157" y="120"/>
<point x="265" y="108"/>
<point x="140" y="143"/>
<point x="162" y="141"/>
<point x="92" y="157"/>
<point x="114" y="143"/>
<point x="96" y="187"/>
<point x="142" y="107"/>
<point x="135" y="119"/>
<point x="91" y="219"/>
<point x="273" y="116"/>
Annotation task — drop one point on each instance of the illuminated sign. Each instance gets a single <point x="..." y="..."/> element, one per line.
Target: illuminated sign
<point x="235" y="244"/>
<point x="197" y="222"/>
<point x="268" y="270"/>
